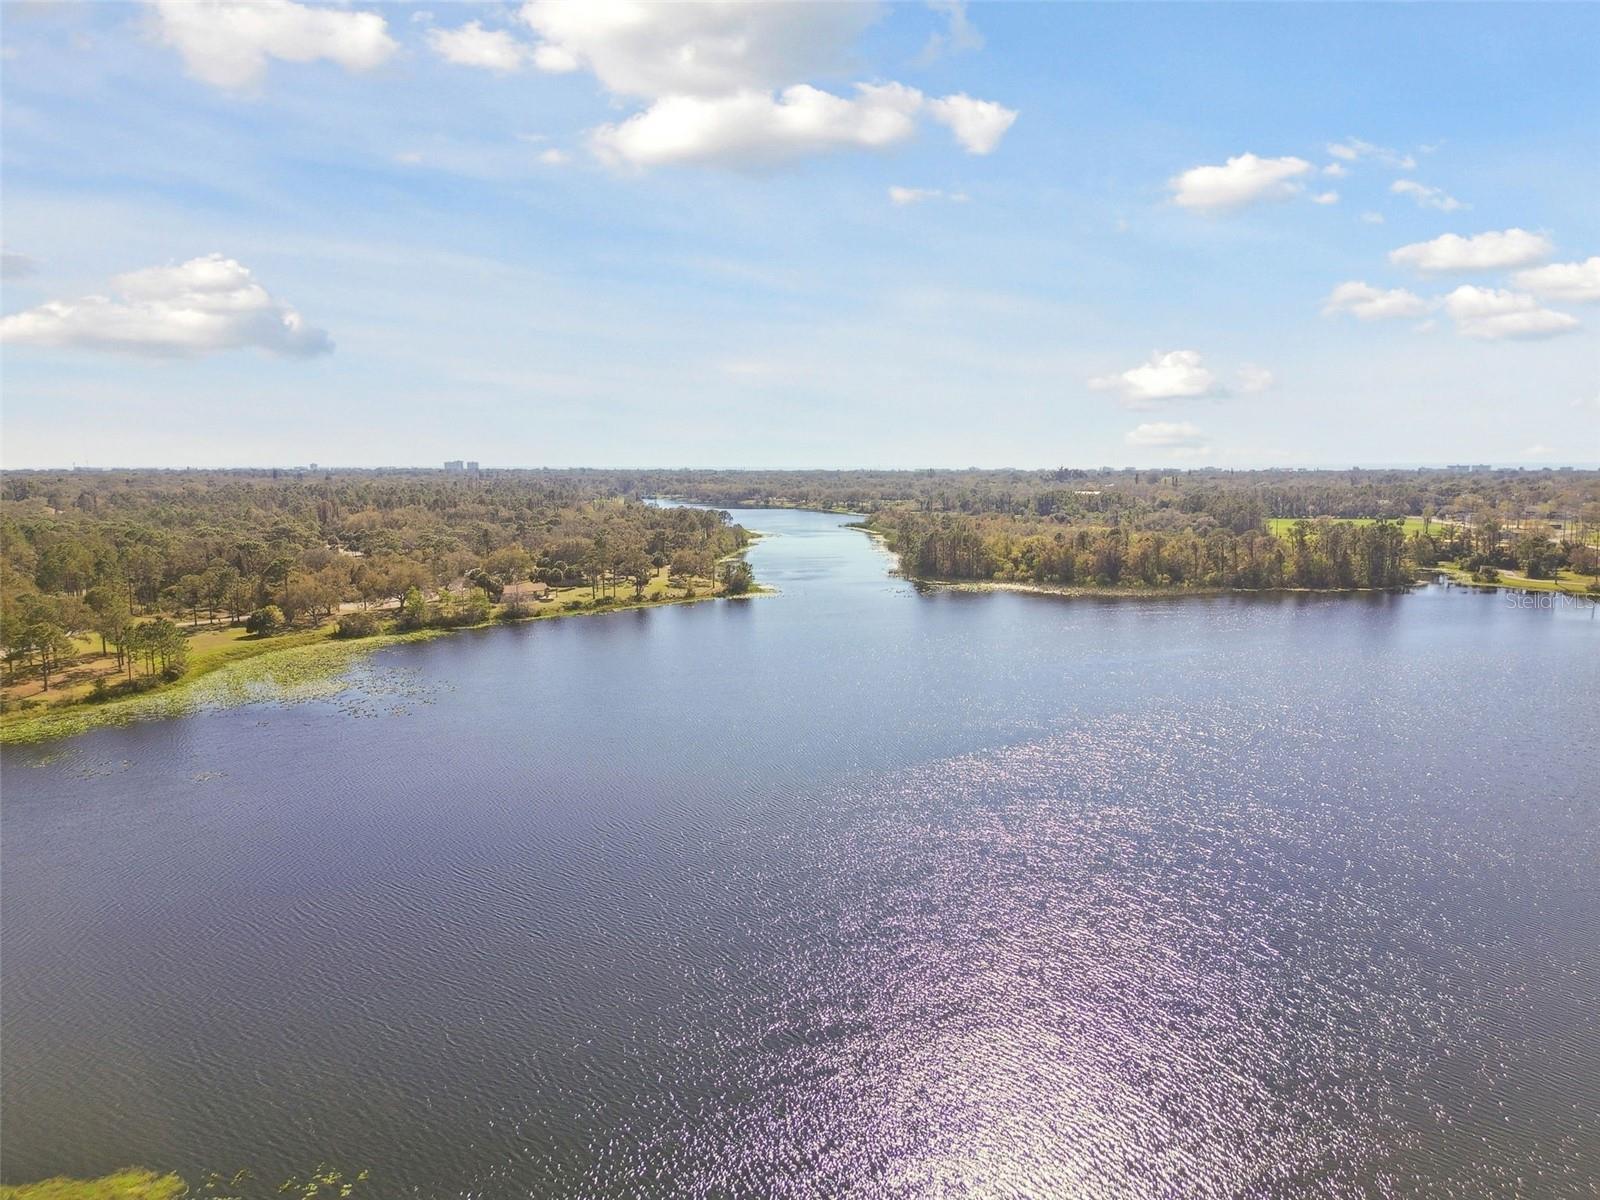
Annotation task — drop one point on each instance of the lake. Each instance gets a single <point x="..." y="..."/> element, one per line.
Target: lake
<point x="850" y="890"/>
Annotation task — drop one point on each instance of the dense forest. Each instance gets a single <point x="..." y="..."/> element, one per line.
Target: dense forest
<point x="1320" y="554"/>
<point x="1220" y="539"/>
<point x="132" y="562"/>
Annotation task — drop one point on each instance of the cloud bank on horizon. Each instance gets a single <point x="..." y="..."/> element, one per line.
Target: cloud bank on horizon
<point x="704" y="156"/>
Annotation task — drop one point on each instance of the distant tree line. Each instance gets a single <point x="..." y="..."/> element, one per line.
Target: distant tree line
<point x="1568" y="500"/>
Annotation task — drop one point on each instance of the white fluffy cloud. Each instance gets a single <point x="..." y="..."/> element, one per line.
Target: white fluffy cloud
<point x="227" y="43"/>
<point x="757" y="129"/>
<point x="555" y="59"/>
<point x="722" y="81"/>
<point x="471" y="45"/>
<point x="1425" y="196"/>
<point x="1169" y="375"/>
<point x="1493" y="251"/>
<point x="1243" y="179"/>
<point x="1167" y="435"/>
<point x="1574" y="281"/>
<point x="1493" y="314"/>
<point x="205" y="304"/>
<point x="1325" y="198"/>
<point x="978" y="124"/>
<point x="1367" y="303"/>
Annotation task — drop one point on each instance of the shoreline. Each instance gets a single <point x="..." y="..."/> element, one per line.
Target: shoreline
<point x="1119" y="592"/>
<point x="1077" y="592"/>
<point x="305" y="667"/>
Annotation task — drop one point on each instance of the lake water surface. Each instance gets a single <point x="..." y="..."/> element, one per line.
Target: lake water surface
<point x="846" y="891"/>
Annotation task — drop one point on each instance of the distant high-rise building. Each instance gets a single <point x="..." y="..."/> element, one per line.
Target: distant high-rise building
<point x="455" y="464"/>
<point x="472" y="466"/>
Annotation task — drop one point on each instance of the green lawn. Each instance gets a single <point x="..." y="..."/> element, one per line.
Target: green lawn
<point x="1282" y="525"/>
<point x="1566" y="581"/>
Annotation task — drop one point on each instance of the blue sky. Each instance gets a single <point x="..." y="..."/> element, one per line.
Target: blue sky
<point x="1083" y="234"/>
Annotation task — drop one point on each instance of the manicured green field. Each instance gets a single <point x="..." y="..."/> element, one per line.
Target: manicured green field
<point x="1282" y="525"/>
<point x="1566" y="581"/>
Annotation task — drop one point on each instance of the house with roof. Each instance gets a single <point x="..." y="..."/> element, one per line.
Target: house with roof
<point x="525" y="592"/>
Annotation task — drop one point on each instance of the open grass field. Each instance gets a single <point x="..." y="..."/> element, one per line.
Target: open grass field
<point x="1569" y="582"/>
<point x="1282" y="525"/>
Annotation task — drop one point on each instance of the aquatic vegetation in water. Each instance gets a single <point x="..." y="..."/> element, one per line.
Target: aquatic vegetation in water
<point x="133" y="1183"/>
<point x="136" y="1183"/>
<point x="293" y="675"/>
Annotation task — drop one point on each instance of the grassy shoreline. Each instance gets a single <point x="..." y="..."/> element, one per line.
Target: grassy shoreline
<point x="303" y="665"/>
<point x="1074" y="591"/>
<point x="1119" y="592"/>
<point x="1510" y="581"/>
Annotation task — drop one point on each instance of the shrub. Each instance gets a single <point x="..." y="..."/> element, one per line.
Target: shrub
<point x="132" y="687"/>
<point x="356" y="625"/>
<point x="413" y="611"/>
<point x="265" y="621"/>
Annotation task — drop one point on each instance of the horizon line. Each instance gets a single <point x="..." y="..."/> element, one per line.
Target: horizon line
<point x="75" y="468"/>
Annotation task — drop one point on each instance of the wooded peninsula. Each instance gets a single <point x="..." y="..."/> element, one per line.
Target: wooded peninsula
<point x="118" y="582"/>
